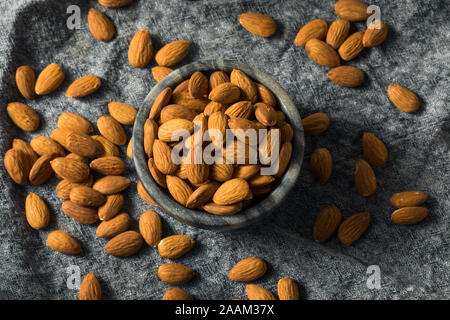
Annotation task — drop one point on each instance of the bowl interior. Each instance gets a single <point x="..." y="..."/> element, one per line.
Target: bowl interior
<point x="203" y="219"/>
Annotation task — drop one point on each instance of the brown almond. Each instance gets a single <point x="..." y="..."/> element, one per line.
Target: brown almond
<point x="140" y="50"/>
<point x="255" y="292"/>
<point x="111" y="207"/>
<point x="83" y="86"/>
<point x="150" y="227"/>
<point x="248" y="88"/>
<point x="408" y="199"/>
<point x="284" y="159"/>
<point x="65" y="186"/>
<point x="30" y="156"/>
<point x="176" y="294"/>
<point x="111" y="129"/>
<point x="202" y="195"/>
<point x="162" y="155"/>
<point x="25" y="81"/>
<point x="198" y="85"/>
<point x="124" y="244"/>
<point x="185" y="99"/>
<point x="111" y="228"/>
<point x="409" y="215"/>
<point x="122" y="112"/>
<point x="81" y="214"/>
<point x="346" y="76"/>
<point x="337" y="33"/>
<point x="351" y="10"/>
<point x="265" y="95"/>
<point x="23" y="116"/>
<point x="365" y="179"/>
<point x="248" y="269"/>
<point x="111" y="184"/>
<point x="315" y="123"/>
<point x="241" y="109"/>
<point x="59" y="135"/>
<point x="130" y="149"/>
<point x="221" y="172"/>
<point x="315" y="29"/>
<point x="218" y="77"/>
<point x="160" y="73"/>
<point x="107" y="147"/>
<point x="225" y="93"/>
<point x="321" y="164"/>
<point x="258" y="24"/>
<point x="260" y="181"/>
<point x="176" y="111"/>
<point x="49" y="79"/>
<point x="100" y="26"/>
<point x="374" y="150"/>
<point x="114" y="3"/>
<point x="183" y="86"/>
<point x="246" y="171"/>
<point x="150" y="134"/>
<point x="36" y="211"/>
<point x="86" y="196"/>
<point x="175" y="246"/>
<point x="160" y="102"/>
<point x="179" y="189"/>
<point x="74" y="122"/>
<point x="16" y="165"/>
<point x="375" y="36"/>
<point x="144" y="194"/>
<point x="175" y="273"/>
<point x="172" y="53"/>
<point x="159" y="177"/>
<point x="321" y="53"/>
<point x="352" y="46"/>
<point x="288" y="289"/>
<point x="265" y="114"/>
<point x="72" y="170"/>
<point x="352" y="228"/>
<point x="82" y="144"/>
<point x="231" y="192"/>
<point x="41" y="171"/>
<point x="62" y="242"/>
<point x="109" y="166"/>
<point x="90" y="288"/>
<point x="44" y="145"/>
<point x="286" y="133"/>
<point x="223" y="210"/>
<point x="174" y="129"/>
<point x="326" y="223"/>
<point x="403" y="98"/>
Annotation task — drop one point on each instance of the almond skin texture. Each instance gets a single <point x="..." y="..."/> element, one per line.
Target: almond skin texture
<point x="198" y="85"/>
<point x="23" y="116"/>
<point x="246" y="171"/>
<point x="83" y="86"/>
<point x="221" y="172"/>
<point x="84" y="215"/>
<point x="351" y="10"/>
<point x="288" y="289"/>
<point x="37" y="213"/>
<point x="403" y="98"/>
<point x="112" y="130"/>
<point x="90" y="288"/>
<point x="150" y="227"/>
<point x="365" y="180"/>
<point x="265" y="114"/>
<point x="352" y="46"/>
<point x="41" y="170"/>
<point x="321" y="53"/>
<point x="374" y="37"/>
<point x="176" y="111"/>
<point x="114" y="3"/>
<point x="72" y="170"/>
<point x="25" y="81"/>
<point x="49" y="79"/>
<point x="374" y="150"/>
<point x="150" y="134"/>
<point x="225" y="93"/>
<point x="352" y="228"/>
<point x="315" y="123"/>
<point x="175" y="273"/>
<point x="321" y="164"/>
<point x="326" y="224"/>
<point x="74" y="122"/>
<point x="265" y="95"/>
<point x="174" y="126"/>
<point x="108" y="166"/>
<point x="124" y="244"/>
<point x="408" y="199"/>
<point x="16" y="165"/>
<point x="162" y="157"/>
<point x="64" y="187"/>
<point x="86" y="196"/>
<point x="159" y="177"/>
<point x="346" y="76"/>
<point x="114" y="226"/>
<point x="175" y="246"/>
<point x="108" y="148"/>
<point x="172" y="53"/>
<point x="160" y="73"/>
<point x="284" y="159"/>
<point x="258" y="24"/>
<point x="183" y="86"/>
<point x="409" y="215"/>
<point x="62" y="242"/>
<point x="111" y="184"/>
<point x="202" y="195"/>
<point x="248" y="269"/>
<point x="112" y="206"/>
<point x="179" y="189"/>
<point x="29" y="154"/>
<point x="82" y="145"/>
<point x="144" y="194"/>
<point x="176" y="294"/>
<point x="316" y="29"/>
<point x="337" y="33"/>
<point x="222" y="210"/>
<point x="248" y="88"/>
<point x="255" y="292"/>
<point x="231" y="192"/>
<point x="140" y="51"/>
<point x="160" y="102"/>
<point x="122" y="112"/>
<point x="44" y="145"/>
<point x="218" y="77"/>
<point x="100" y="26"/>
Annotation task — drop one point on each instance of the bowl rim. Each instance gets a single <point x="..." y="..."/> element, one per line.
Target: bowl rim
<point x="202" y="219"/>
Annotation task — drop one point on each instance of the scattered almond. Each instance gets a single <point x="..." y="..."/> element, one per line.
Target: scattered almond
<point x="351" y="10"/>
<point x="326" y="224"/>
<point x="108" y="166"/>
<point x="408" y="199"/>
<point x="375" y="36"/>
<point x="403" y="98"/>
<point x="409" y="215"/>
<point x="365" y="180"/>
<point x="150" y="227"/>
<point x="346" y="76"/>
<point x="248" y="269"/>
<point x="175" y="246"/>
<point x="122" y="112"/>
<point x="49" y="79"/>
<point x="140" y="51"/>
<point x="352" y="46"/>
<point x="255" y="292"/>
<point x="352" y="228"/>
<point x="81" y="214"/>
<point x="315" y="123"/>
<point x="321" y="164"/>
<point x="111" y="228"/>
<point x="160" y="73"/>
<point x="374" y="150"/>
<point x="111" y="207"/>
<point x="111" y="184"/>
<point x="337" y="33"/>
<point x="83" y="86"/>
<point x="62" y="242"/>
<point x="25" y="81"/>
<point x="321" y="53"/>
<point x="112" y="130"/>
<point x="176" y="294"/>
<point x="23" y="116"/>
<point x="90" y="288"/>
<point x="258" y="24"/>
<point x="124" y="244"/>
<point x="175" y="273"/>
<point x="288" y="289"/>
<point x="316" y="29"/>
<point x="172" y="53"/>
<point x="37" y="213"/>
<point x="74" y="122"/>
<point x="100" y="26"/>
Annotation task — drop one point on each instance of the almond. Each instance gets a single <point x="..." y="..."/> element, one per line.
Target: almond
<point x="255" y="292"/>
<point x="225" y="93"/>
<point x="114" y="3"/>
<point x="222" y="210"/>
<point x="122" y="112"/>
<point x="183" y="86"/>
<point x="408" y="199"/>
<point x="108" y="166"/>
<point x="15" y="162"/>
<point x="37" y="213"/>
<point x="140" y="51"/>
<point x="241" y="109"/>
<point x="337" y="33"/>
<point x="107" y="147"/>
<point x="284" y="159"/>
<point x="41" y="170"/>
<point x="315" y="29"/>
<point x="258" y="24"/>
<point x="172" y="53"/>
<point x="326" y="224"/>
<point x="150" y="134"/>
<point x="286" y="133"/>
<point x="374" y="37"/>
<point x="86" y="196"/>
<point x="176" y="294"/>
<point x="257" y="191"/>
<point x="81" y="214"/>
<point x="246" y="171"/>
<point x="198" y="85"/>
<point x="218" y="121"/>
<point x="352" y="228"/>
<point x="402" y="98"/>
<point x="130" y="149"/>
<point x="174" y="129"/>
<point x="111" y="184"/>
<point x="175" y="273"/>
<point x="74" y="122"/>
<point x="100" y="26"/>
<point x="202" y="195"/>
<point x="365" y="179"/>
<point x="25" y="81"/>
<point x="409" y="215"/>
<point x="111" y="207"/>
<point x="72" y="170"/>
<point x="185" y="99"/>
<point x="315" y="123"/>
<point x="159" y="177"/>
<point x="62" y="242"/>
<point x="260" y="181"/>
<point x="231" y="192"/>
<point x="59" y="135"/>
<point x="44" y="145"/>
<point x="351" y="10"/>
<point x="218" y="77"/>
<point x="160" y="73"/>
<point x="240" y="123"/>
<point x="144" y="194"/>
<point x="179" y="189"/>
<point x="265" y="114"/>
<point x="321" y="164"/>
<point x="265" y="95"/>
<point x="288" y="289"/>
<point x="65" y="186"/>
<point x="82" y="145"/>
<point x="197" y="173"/>
<point x="160" y="102"/>
<point x="111" y="228"/>
<point x="162" y="155"/>
<point x="374" y="150"/>
<point x="321" y="53"/>
<point x="346" y="76"/>
<point x="248" y="269"/>
<point x="175" y="246"/>
<point x="90" y="288"/>
<point x="124" y="244"/>
<point x="30" y="156"/>
<point x="150" y="227"/>
<point x="83" y="86"/>
<point x="23" y="116"/>
<point x="112" y="130"/>
<point x="49" y="79"/>
<point x="352" y="46"/>
<point x="221" y="172"/>
<point x="248" y="88"/>
<point x="176" y="111"/>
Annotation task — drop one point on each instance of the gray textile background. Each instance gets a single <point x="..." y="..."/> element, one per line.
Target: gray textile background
<point x="414" y="260"/>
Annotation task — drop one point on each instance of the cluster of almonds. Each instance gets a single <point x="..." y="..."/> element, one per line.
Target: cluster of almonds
<point x="221" y="102"/>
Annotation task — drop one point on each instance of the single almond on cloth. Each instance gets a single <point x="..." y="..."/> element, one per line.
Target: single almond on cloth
<point x="107" y="147"/>
<point x="408" y="199"/>
<point x="83" y="86"/>
<point x="150" y="134"/>
<point x="175" y="246"/>
<point x="352" y="46"/>
<point x="172" y="53"/>
<point x="321" y="53"/>
<point x="65" y="186"/>
<point x="315" y="29"/>
<point x="351" y="10"/>
<point x="225" y="93"/>
<point x="108" y="166"/>
<point x="218" y="77"/>
<point x="62" y="242"/>
<point x="315" y="123"/>
<point x="175" y="273"/>
<point x="403" y="98"/>
<point x="248" y="269"/>
<point x="44" y="145"/>
<point x="72" y="170"/>
<point x="100" y="26"/>
<point x="176" y="294"/>
<point x="160" y="102"/>
<point x="321" y="164"/>
<point x="111" y="228"/>
<point x="86" y="196"/>
<point x="326" y="223"/>
<point x="352" y="228"/>
<point x="74" y="122"/>
<point x="36" y="211"/>
<point x="365" y="179"/>
<point x="198" y="85"/>
<point x="111" y="129"/>
<point x="248" y="88"/>
<point x="150" y="227"/>
<point x="112" y="206"/>
<point x="25" y="81"/>
<point x="49" y="79"/>
<point x="255" y="292"/>
<point x="82" y="145"/>
<point x="288" y="289"/>
<point x="231" y="192"/>
<point x="114" y="3"/>
<point x="202" y="195"/>
<point x="337" y="33"/>
<point x="375" y="34"/>
<point x="41" y="171"/>
<point x="374" y="150"/>
<point x="162" y="155"/>
<point x="223" y="210"/>
<point x="124" y="244"/>
<point x="122" y="112"/>
<point x="111" y="184"/>
<point x="81" y="214"/>
<point x="409" y="215"/>
<point x="346" y="76"/>
<point x="16" y="165"/>
<point x="23" y="116"/>
<point x="258" y="24"/>
<point x="179" y="189"/>
<point x="140" y="50"/>
<point x="90" y="288"/>
<point x="160" y="73"/>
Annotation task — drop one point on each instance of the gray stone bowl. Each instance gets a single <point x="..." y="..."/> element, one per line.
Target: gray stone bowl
<point x="251" y="214"/>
